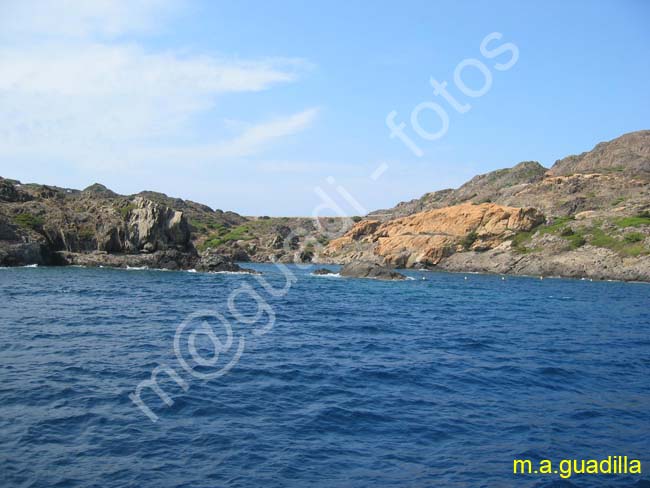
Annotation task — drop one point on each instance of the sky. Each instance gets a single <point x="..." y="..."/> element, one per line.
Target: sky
<point x="281" y="107"/>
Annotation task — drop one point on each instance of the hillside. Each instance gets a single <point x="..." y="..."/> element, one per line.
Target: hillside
<point x="593" y="220"/>
<point x="586" y="216"/>
<point x="42" y="224"/>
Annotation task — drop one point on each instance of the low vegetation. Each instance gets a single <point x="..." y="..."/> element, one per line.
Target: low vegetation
<point x="626" y="246"/>
<point x="637" y="221"/>
<point x="126" y="210"/>
<point x="599" y="234"/>
<point x="468" y="240"/>
<point x="29" y="221"/>
<point x="224" y="235"/>
<point x="559" y="226"/>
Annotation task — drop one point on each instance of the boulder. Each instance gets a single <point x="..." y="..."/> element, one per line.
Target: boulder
<point x="213" y="262"/>
<point x="361" y="269"/>
<point x="323" y="271"/>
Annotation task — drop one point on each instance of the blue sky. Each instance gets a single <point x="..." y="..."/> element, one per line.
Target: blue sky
<point x="250" y="105"/>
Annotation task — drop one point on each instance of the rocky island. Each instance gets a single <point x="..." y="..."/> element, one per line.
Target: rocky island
<point x="588" y="216"/>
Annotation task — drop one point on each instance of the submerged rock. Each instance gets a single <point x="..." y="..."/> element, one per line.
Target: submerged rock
<point x="361" y="269"/>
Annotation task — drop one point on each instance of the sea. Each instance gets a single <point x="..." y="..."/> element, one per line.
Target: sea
<point x="151" y="378"/>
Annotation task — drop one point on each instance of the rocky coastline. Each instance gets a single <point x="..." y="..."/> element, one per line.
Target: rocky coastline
<point x="588" y="216"/>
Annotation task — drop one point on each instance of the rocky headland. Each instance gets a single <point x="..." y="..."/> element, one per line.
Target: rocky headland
<point x="588" y="216"/>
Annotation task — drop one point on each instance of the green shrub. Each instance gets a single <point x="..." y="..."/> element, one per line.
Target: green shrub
<point x="237" y="234"/>
<point x="558" y="224"/>
<point x="198" y="225"/>
<point x="86" y="234"/>
<point x="126" y="210"/>
<point x="600" y="238"/>
<point x="322" y="240"/>
<point x="637" y="221"/>
<point x="576" y="240"/>
<point x="468" y="240"/>
<point x="214" y="242"/>
<point x="618" y="201"/>
<point x="28" y="221"/>
<point x="356" y="219"/>
<point x="224" y="235"/>
<point x="633" y="237"/>
<point x="520" y="240"/>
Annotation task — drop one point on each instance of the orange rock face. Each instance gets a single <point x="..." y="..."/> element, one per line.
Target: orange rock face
<point x="427" y="237"/>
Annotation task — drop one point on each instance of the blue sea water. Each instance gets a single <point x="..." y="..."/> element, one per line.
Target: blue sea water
<point x="438" y="382"/>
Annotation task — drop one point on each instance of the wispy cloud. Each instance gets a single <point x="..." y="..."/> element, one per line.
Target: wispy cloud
<point x="252" y="140"/>
<point x="28" y="19"/>
<point x="74" y="88"/>
<point x="258" y="136"/>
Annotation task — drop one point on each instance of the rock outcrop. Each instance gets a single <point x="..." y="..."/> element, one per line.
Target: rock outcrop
<point x="152" y="227"/>
<point x="629" y="153"/>
<point x="425" y="238"/>
<point x="587" y="216"/>
<point x="596" y="209"/>
<point x="217" y="263"/>
<point x="361" y="269"/>
<point x="50" y="225"/>
<point x="585" y="262"/>
<point x="322" y="272"/>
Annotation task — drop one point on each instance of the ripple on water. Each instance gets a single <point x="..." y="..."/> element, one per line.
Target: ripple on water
<point x="436" y="382"/>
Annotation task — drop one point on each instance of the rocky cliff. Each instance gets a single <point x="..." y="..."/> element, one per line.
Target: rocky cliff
<point x="587" y="216"/>
<point x="425" y="238"/>
<point x="48" y="225"/>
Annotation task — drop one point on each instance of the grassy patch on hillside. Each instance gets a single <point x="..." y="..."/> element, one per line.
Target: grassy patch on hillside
<point x="28" y="221"/>
<point x="126" y="210"/>
<point x="618" y="201"/>
<point x="224" y="235"/>
<point x="637" y="221"/>
<point x="203" y="227"/>
<point x="468" y="240"/>
<point x="627" y="246"/>
<point x="558" y="227"/>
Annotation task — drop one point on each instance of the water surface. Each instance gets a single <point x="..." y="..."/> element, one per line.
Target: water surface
<point x="436" y="382"/>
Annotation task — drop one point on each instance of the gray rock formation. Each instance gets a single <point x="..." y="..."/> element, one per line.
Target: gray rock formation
<point x="322" y="271"/>
<point x="629" y="153"/>
<point x="170" y="259"/>
<point x="362" y="269"/>
<point x="153" y="227"/>
<point x="213" y="262"/>
<point x="585" y="262"/>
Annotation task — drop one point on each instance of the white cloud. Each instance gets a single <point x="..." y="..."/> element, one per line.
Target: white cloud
<point x="256" y="137"/>
<point x="82" y="18"/>
<point x="251" y="141"/>
<point x="112" y="94"/>
<point x="72" y="90"/>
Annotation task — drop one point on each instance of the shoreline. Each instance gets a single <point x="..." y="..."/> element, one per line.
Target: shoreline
<point x="248" y="263"/>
